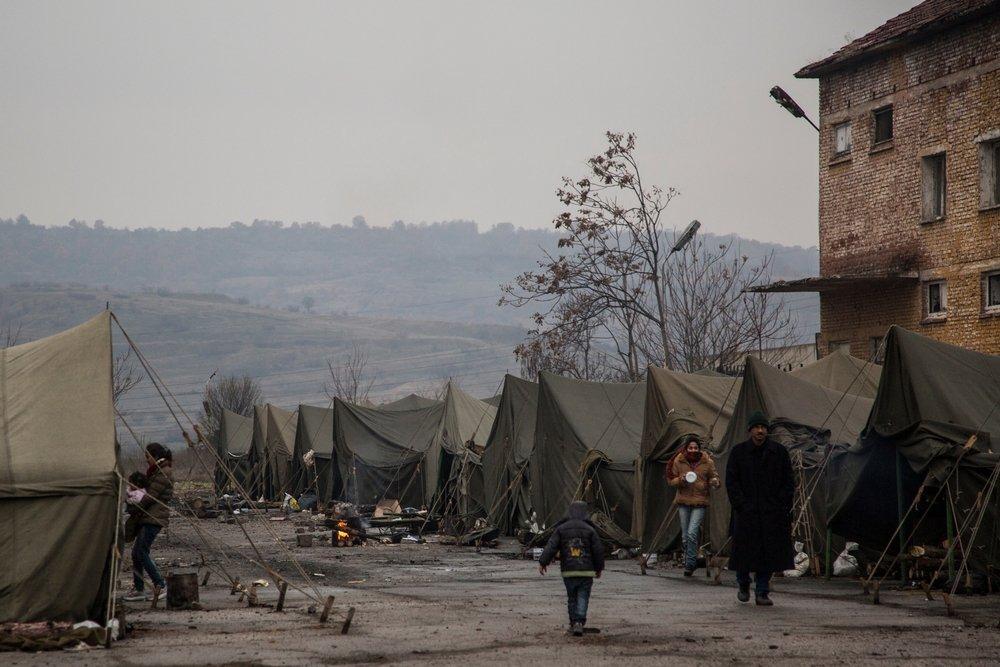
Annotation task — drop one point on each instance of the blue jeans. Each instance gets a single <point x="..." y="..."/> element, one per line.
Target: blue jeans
<point x="578" y="597"/>
<point x="762" y="581"/>
<point x="691" y="518"/>
<point x="141" y="560"/>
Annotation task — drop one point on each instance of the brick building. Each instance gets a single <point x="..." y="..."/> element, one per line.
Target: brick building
<point x="909" y="180"/>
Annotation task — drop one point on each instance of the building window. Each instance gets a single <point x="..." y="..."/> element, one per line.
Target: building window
<point x="883" y="124"/>
<point x="991" y="292"/>
<point x="936" y="300"/>
<point x="989" y="174"/>
<point x="842" y="139"/>
<point x="876" y="350"/>
<point x="934" y="187"/>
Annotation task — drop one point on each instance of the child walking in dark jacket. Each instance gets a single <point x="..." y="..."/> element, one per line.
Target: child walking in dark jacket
<point x="581" y="559"/>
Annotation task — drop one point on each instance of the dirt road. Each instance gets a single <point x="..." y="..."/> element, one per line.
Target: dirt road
<point x="436" y="604"/>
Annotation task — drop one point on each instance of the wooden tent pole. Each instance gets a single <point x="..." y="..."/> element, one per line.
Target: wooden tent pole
<point x="950" y="525"/>
<point x="900" y="516"/>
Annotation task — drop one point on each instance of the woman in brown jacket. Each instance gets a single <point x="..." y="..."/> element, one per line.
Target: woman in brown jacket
<point x="692" y="473"/>
<point x="154" y="515"/>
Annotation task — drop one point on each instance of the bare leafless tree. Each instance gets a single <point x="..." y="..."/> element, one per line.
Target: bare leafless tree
<point x="574" y="347"/>
<point x="350" y="380"/>
<point x="9" y="335"/>
<point x="125" y="375"/>
<point x="619" y="299"/>
<point x="234" y="393"/>
<point x="712" y="317"/>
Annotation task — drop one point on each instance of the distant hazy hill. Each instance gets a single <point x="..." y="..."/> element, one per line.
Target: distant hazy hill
<point x="443" y="271"/>
<point x="187" y="337"/>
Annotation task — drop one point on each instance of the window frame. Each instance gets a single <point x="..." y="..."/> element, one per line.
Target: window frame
<point x="989" y="173"/>
<point x="850" y="139"/>
<point x="988" y="309"/>
<point x="934" y="206"/>
<point x="887" y="109"/>
<point x="942" y="296"/>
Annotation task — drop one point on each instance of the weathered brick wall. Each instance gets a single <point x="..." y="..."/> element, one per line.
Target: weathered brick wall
<point x="945" y="92"/>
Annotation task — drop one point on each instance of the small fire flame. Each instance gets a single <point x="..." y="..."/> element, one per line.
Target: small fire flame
<point x="342" y="536"/>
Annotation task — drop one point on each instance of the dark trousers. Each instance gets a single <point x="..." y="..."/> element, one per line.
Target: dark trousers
<point x="141" y="560"/>
<point x="762" y="581"/>
<point x="578" y="597"/>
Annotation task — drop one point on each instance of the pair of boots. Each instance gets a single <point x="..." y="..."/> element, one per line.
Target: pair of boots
<point x="576" y="628"/>
<point x="761" y="599"/>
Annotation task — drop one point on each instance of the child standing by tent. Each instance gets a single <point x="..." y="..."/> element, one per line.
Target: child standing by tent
<point x="155" y="516"/>
<point x="581" y="559"/>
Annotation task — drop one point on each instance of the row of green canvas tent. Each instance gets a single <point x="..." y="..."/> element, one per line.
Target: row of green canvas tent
<point x="415" y="450"/>
<point x="867" y="442"/>
<point x="863" y="438"/>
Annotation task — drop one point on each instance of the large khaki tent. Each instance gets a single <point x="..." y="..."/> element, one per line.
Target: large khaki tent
<point x="409" y="402"/>
<point x="587" y="438"/>
<point x="381" y="453"/>
<point x="932" y="397"/>
<point x="271" y="454"/>
<point x="58" y="486"/>
<point x="508" y="451"/>
<point x="314" y="433"/>
<point x="233" y="448"/>
<point x="678" y="405"/>
<point x="842" y="372"/>
<point x="806" y="418"/>
<point x="465" y="427"/>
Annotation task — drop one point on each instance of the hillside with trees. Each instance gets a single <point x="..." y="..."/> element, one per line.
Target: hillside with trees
<point x="448" y="271"/>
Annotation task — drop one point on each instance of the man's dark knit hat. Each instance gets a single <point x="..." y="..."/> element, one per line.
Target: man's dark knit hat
<point x="757" y="418"/>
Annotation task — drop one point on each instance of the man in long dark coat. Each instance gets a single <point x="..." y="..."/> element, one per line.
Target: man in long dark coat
<point x="761" y="489"/>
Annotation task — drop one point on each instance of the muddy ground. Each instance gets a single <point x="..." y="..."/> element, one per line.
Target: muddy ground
<point x="436" y="604"/>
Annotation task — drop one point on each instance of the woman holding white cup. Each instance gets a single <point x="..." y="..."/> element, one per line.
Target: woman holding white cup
<point x="692" y="473"/>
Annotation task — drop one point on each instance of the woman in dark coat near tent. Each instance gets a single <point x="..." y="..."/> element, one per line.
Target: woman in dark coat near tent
<point x="761" y="489"/>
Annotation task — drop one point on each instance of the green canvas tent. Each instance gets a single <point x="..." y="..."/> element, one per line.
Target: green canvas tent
<point x="842" y="372"/>
<point x="271" y="453"/>
<point x="59" y="491"/>
<point x="465" y="427"/>
<point x="382" y="453"/>
<point x="233" y="448"/>
<point x="409" y="402"/>
<point x="587" y="437"/>
<point x="678" y="405"/>
<point x="494" y="400"/>
<point x="508" y="450"/>
<point x="314" y="433"/>
<point x="932" y="397"/>
<point x="806" y="418"/>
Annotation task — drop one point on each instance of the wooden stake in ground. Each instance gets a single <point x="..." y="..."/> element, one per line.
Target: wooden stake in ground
<point x="347" y="621"/>
<point x="326" y="609"/>
<point x="281" y="596"/>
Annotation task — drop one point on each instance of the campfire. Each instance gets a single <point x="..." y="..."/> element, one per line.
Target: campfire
<point x="344" y="535"/>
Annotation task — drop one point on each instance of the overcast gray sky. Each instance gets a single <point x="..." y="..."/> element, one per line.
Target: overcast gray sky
<point x="175" y="114"/>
